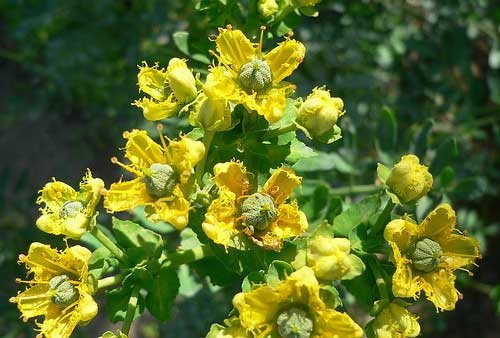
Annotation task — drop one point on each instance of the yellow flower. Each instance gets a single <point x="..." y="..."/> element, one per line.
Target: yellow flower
<point x="293" y="308"/>
<point x="409" y="180"/>
<point x="319" y="113"/>
<point x="66" y="211"/>
<point x="306" y="3"/>
<point x="249" y="77"/>
<point x="263" y="216"/>
<point x="267" y="7"/>
<point x="163" y="176"/>
<point x="232" y="329"/>
<point x="58" y="290"/>
<point x="426" y="256"/>
<point x="110" y="334"/>
<point x="330" y="258"/>
<point x="169" y="89"/>
<point x="394" y="321"/>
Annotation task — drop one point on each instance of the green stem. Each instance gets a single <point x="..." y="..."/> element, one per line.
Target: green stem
<point x="282" y="130"/>
<point x="132" y="304"/>
<point x="356" y="189"/>
<point x="115" y="250"/>
<point x="383" y="218"/>
<point x="109" y="281"/>
<point x="379" y="280"/>
<point x="200" y="168"/>
<point x="187" y="256"/>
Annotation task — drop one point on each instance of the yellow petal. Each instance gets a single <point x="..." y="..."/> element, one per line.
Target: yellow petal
<point x="152" y="80"/>
<point x="401" y="232"/>
<point x="55" y="194"/>
<point x="270" y="104"/>
<point x="183" y="155"/>
<point x="173" y="209"/>
<point x="233" y="176"/>
<point x="459" y="251"/>
<point x="285" y="58"/>
<point x="141" y="150"/>
<point x="181" y="80"/>
<point x="234" y="48"/>
<point x="220" y="84"/>
<point x="87" y="307"/>
<point x="281" y="184"/>
<point x="126" y="195"/>
<point x="157" y="110"/>
<point x="439" y="287"/>
<point x="439" y="223"/>
<point x="79" y="255"/>
<point x="291" y="222"/>
<point x="44" y="262"/>
<point x="34" y="301"/>
<point x="60" y="324"/>
<point x="333" y="324"/>
<point x="219" y="224"/>
<point x="258" y="308"/>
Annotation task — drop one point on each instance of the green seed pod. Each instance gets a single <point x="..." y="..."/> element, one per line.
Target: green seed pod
<point x="255" y="75"/>
<point x="294" y="323"/>
<point x="160" y="180"/>
<point x="425" y="254"/>
<point x="258" y="211"/>
<point x="65" y="293"/>
<point x="71" y="209"/>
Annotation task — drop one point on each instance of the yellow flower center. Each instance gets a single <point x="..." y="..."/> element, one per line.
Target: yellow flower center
<point x="160" y="180"/>
<point x="258" y="211"/>
<point x="294" y="323"/>
<point x="71" y="209"/>
<point x="425" y="254"/>
<point x="255" y="75"/>
<point x="64" y="292"/>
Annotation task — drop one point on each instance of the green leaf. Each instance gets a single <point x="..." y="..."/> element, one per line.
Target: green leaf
<point x="278" y="270"/>
<point x="189" y="286"/>
<point x="298" y="151"/>
<point x="419" y="147"/>
<point x="363" y="288"/>
<point x="330" y="295"/>
<point x="445" y="153"/>
<point x="117" y="303"/>
<point x="201" y="58"/>
<point x="383" y="172"/>
<point x="164" y="289"/>
<point x="387" y="128"/>
<point x="181" y="41"/>
<point x="446" y="177"/>
<point x="360" y="212"/>
<point x="252" y="280"/>
<point x="137" y="239"/>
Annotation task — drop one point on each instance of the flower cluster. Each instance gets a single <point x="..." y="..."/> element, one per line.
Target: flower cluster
<point x="231" y="181"/>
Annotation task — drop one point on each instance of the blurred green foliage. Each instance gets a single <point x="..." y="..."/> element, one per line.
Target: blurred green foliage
<point x="416" y="76"/>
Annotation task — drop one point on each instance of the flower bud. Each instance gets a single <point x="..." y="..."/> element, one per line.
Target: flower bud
<point x="409" y="180"/>
<point x="395" y="321"/>
<point x="213" y="114"/>
<point x="306" y="3"/>
<point x="328" y="257"/>
<point x="425" y="254"/>
<point x="319" y="112"/>
<point x="110" y="334"/>
<point x="181" y="80"/>
<point x="267" y="7"/>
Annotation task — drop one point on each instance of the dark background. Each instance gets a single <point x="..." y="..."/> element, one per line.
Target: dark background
<point x="68" y="75"/>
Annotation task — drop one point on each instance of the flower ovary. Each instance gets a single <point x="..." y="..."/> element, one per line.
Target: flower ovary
<point x="64" y="292"/>
<point x="258" y="211"/>
<point x="160" y="180"/>
<point x="71" y="209"/>
<point x="425" y="254"/>
<point x="294" y="323"/>
<point x="255" y="75"/>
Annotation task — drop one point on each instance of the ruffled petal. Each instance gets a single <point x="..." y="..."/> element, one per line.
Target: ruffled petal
<point x="233" y="176"/>
<point x="270" y="104"/>
<point x="220" y="224"/>
<point x="401" y="232"/>
<point x="126" y="195"/>
<point x="291" y="222"/>
<point x="183" y="155"/>
<point x="281" y="184"/>
<point x="173" y="209"/>
<point x="157" y="110"/>
<point x="285" y="58"/>
<point x="34" y="301"/>
<point x="459" y="251"/>
<point x="439" y="287"/>
<point x="333" y="324"/>
<point x="44" y="262"/>
<point x="54" y="195"/>
<point x="234" y="48"/>
<point x="258" y="308"/>
<point x="220" y="84"/>
<point x="439" y="223"/>
<point x="141" y="150"/>
<point x="405" y="282"/>
<point x="152" y="80"/>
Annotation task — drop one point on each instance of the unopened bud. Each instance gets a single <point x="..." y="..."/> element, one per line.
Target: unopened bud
<point x="409" y="180"/>
<point x="395" y="321"/>
<point x="181" y="80"/>
<point x="267" y="7"/>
